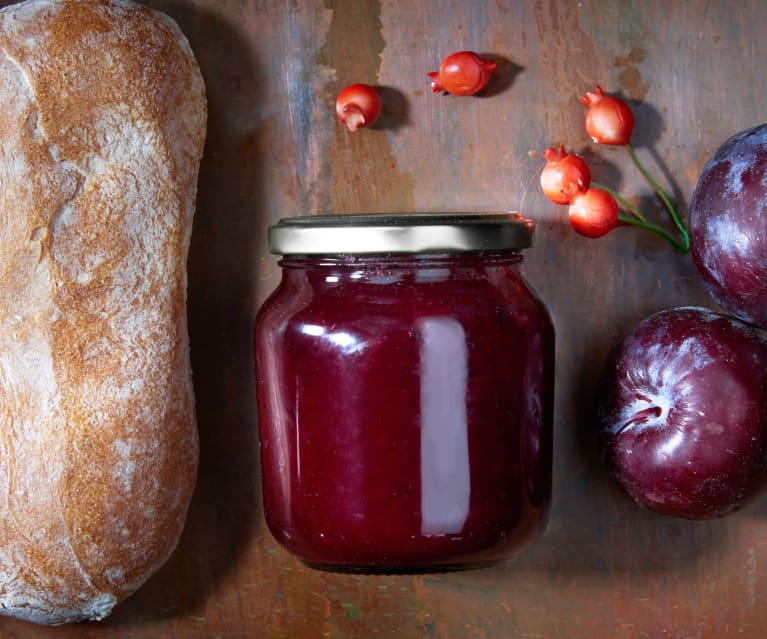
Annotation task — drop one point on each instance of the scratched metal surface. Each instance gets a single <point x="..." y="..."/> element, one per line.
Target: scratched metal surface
<point x="694" y="74"/>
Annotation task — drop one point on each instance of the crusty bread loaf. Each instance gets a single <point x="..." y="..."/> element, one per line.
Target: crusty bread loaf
<point x="101" y="136"/>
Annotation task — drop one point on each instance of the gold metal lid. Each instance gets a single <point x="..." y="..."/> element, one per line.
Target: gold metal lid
<point x="360" y="234"/>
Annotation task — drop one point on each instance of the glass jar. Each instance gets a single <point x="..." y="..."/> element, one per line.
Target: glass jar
<point x="404" y="385"/>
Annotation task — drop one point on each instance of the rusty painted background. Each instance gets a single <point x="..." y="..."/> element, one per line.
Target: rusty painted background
<point x="694" y="73"/>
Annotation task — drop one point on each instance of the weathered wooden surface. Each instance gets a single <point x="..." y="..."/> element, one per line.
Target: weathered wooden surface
<point x="694" y="73"/>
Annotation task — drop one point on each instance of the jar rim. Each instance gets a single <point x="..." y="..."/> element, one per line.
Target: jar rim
<point x="370" y="233"/>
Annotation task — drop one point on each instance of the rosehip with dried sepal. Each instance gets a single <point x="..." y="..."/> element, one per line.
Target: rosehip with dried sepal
<point x="358" y="105"/>
<point x="462" y="73"/>
<point x="609" y="119"/>
<point x="564" y="175"/>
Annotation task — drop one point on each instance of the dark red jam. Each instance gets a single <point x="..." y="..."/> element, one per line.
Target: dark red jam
<point x="405" y="410"/>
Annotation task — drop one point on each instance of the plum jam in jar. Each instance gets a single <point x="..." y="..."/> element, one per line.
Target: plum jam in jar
<point x="404" y="375"/>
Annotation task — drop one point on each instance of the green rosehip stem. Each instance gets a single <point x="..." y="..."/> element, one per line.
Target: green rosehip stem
<point x="640" y="221"/>
<point x="682" y="246"/>
<point x="679" y="247"/>
<point x="621" y="200"/>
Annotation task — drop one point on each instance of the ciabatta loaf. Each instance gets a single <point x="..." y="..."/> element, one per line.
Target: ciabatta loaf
<point x="101" y="136"/>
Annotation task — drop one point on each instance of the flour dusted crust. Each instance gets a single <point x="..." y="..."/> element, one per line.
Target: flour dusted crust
<point x="101" y="135"/>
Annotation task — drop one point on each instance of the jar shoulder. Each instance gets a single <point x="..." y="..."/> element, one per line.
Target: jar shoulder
<point x="375" y="306"/>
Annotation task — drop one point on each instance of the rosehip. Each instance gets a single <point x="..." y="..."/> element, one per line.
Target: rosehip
<point x="609" y="120"/>
<point x="564" y="175"/>
<point x="358" y="105"/>
<point x="462" y="73"/>
<point x="593" y="213"/>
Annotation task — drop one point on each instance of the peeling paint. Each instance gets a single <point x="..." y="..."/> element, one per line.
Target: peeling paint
<point x="364" y="173"/>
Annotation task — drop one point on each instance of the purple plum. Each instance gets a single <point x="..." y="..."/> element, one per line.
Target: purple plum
<point x="728" y="225"/>
<point x="682" y="413"/>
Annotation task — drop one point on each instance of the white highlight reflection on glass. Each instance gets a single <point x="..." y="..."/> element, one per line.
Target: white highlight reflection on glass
<point x="445" y="479"/>
<point x="348" y="342"/>
<point x="313" y="329"/>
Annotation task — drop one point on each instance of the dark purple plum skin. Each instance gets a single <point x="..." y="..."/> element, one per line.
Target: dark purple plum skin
<point x="682" y="413"/>
<point x="728" y="225"/>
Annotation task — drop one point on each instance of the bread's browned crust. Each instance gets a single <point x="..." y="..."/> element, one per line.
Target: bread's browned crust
<point x="100" y="142"/>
